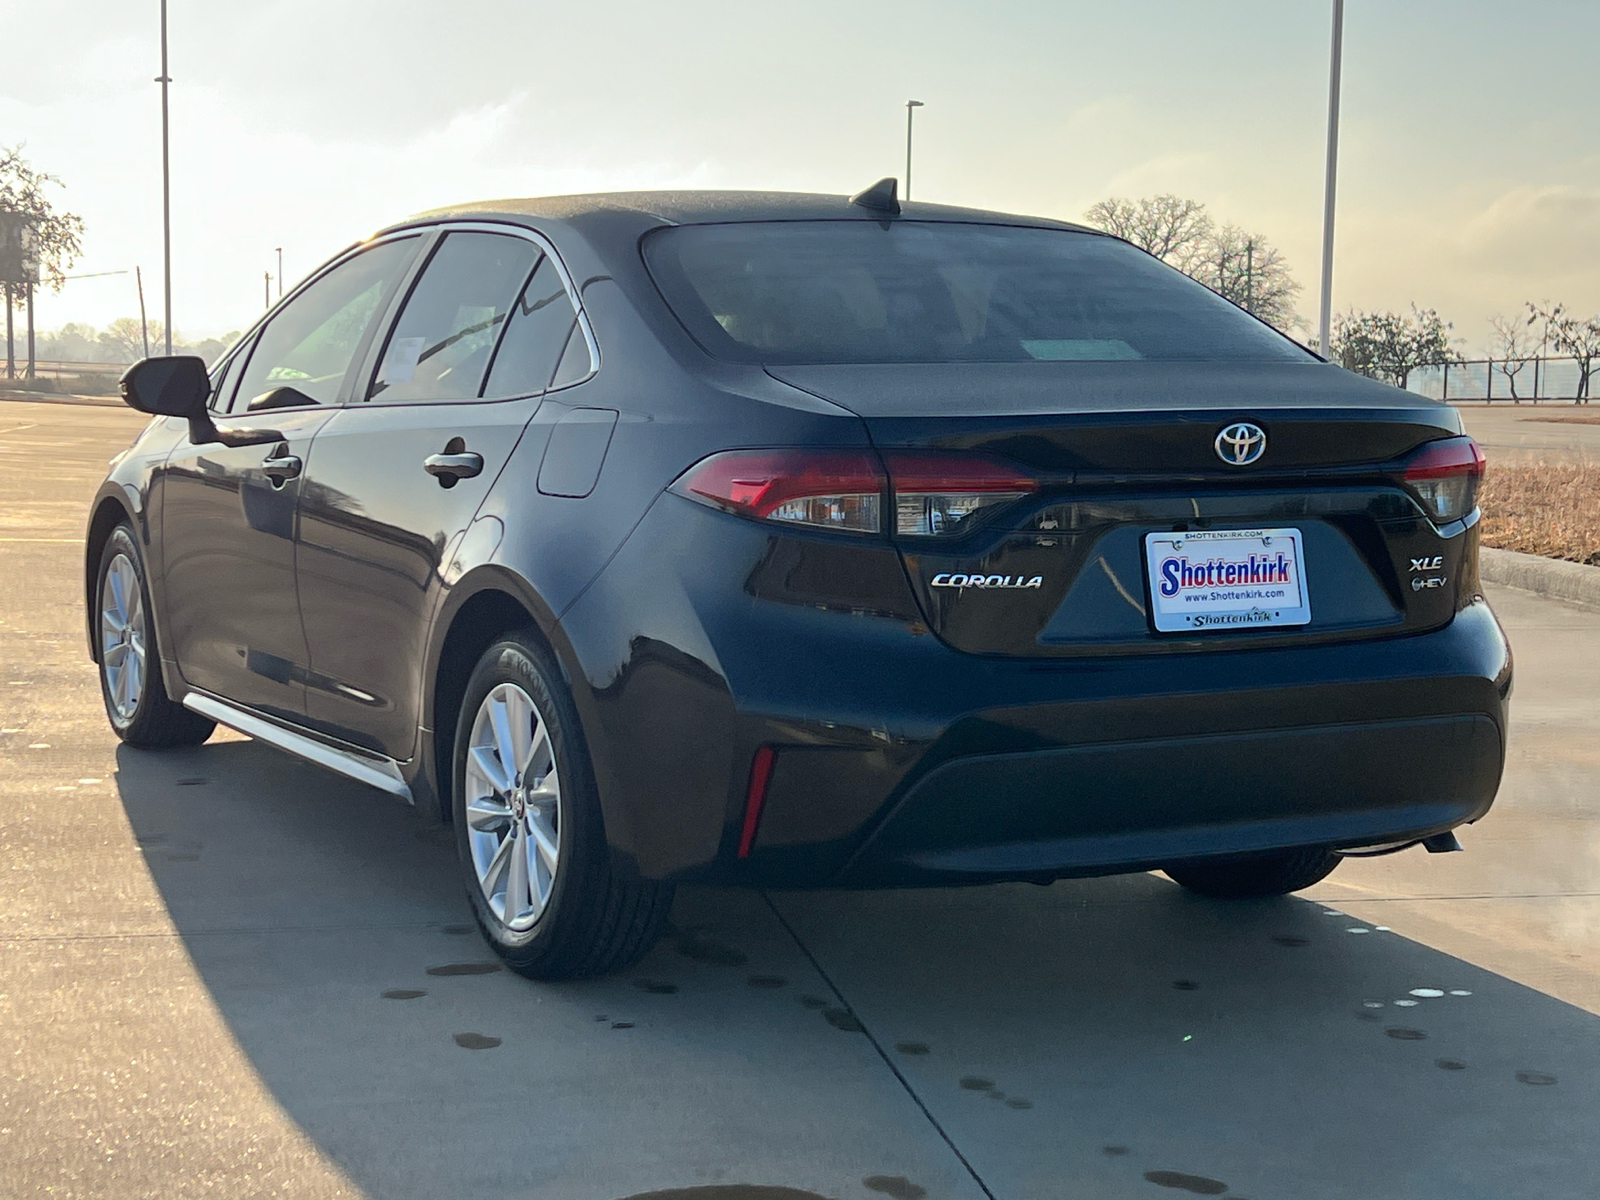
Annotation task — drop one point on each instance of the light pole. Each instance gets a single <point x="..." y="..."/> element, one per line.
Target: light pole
<point x="1325" y="315"/>
<point x="166" y="189"/>
<point x="910" y="104"/>
<point x="280" y="272"/>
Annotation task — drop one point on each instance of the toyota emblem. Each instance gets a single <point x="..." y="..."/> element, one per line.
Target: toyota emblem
<point x="1241" y="443"/>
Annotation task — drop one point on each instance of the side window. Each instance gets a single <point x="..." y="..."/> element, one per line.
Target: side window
<point x="575" y="360"/>
<point x="440" y="346"/>
<point x="308" y="346"/>
<point x="535" y="337"/>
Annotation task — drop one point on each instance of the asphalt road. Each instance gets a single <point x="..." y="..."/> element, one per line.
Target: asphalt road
<point x="225" y="973"/>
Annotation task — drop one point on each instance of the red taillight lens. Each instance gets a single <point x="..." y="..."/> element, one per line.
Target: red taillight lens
<point x="1444" y="475"/>
<point x="936" y="494"/>
<point x="826" y="489"/>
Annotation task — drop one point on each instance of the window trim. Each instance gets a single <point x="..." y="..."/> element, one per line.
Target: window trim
<point x="436" y="233"/>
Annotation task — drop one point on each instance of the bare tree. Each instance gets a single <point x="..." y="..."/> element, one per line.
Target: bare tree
<point x="1389" y="346"/>
<point x="1578" y="339"/>
<point x="1512" y="343"/>
<point x="1248" y="270"/>
<point x="1172" y="228"/>
<point x="122" y="341"/>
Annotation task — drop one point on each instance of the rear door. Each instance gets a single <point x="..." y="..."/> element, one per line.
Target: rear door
<point x="400" y="472"/>
<point x="228" y="512"/>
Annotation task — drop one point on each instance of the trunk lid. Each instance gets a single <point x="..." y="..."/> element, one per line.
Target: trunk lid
<point x="1125" y="450"/>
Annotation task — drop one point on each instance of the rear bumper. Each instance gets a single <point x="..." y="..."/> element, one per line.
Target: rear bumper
<point x="1092" y="810"/>
<point x="902" y="761"/>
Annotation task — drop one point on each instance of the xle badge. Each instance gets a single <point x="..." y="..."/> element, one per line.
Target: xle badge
<point x="998" y="582"/>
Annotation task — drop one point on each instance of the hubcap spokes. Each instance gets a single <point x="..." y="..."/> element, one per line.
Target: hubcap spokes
<point x="513" y="806"/>
<point x="122" y="649"/>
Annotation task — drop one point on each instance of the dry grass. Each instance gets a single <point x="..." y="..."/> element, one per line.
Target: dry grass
<point x="1549" y="510"/>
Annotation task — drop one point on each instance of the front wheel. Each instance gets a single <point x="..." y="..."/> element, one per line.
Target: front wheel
<point x="1274" y="874"/>
<point x="529" y="832"/>
<point x="141" y="712"/>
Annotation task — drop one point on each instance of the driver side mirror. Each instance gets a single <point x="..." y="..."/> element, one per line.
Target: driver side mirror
<point x="180" y="387"/>
<point x="168" y="387"/>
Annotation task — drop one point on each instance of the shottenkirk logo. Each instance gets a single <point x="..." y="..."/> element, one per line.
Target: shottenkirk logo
<point x="1179" y="574"/>
<point x="1241" y="443"/>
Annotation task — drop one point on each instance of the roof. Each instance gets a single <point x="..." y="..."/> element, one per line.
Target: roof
<point x="705" y="207"/>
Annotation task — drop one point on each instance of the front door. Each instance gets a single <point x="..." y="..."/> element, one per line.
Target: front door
<point x="397" y="479"/>
<point x="229" y="511"/>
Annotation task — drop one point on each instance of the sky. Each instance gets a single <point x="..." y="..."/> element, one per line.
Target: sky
<point x="1469" y="172"/>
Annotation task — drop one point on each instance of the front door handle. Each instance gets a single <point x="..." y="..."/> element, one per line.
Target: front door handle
<point x="281" y="467"/>
<point x="452" y="466"/>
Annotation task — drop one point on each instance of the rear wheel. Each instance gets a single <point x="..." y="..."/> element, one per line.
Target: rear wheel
<point x="529" y="832"/>
<point x="1274" y="874"/>
<point x="141" y="712"/>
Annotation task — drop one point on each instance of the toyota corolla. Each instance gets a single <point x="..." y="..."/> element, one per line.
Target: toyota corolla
<point x="804" y="541"/>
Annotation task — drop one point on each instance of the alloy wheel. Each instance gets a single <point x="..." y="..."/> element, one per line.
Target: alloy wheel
<point x="513" y="806"/>
<point x="122" y="637"/>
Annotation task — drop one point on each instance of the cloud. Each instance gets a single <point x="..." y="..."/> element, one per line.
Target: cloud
<point x="1552" y="230"/>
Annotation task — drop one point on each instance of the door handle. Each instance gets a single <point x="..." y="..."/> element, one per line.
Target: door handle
<point x="451" y="467"/>
<point x="281" y="467"/>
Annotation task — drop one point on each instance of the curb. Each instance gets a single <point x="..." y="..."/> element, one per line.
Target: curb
<point x="1552" y="577"/>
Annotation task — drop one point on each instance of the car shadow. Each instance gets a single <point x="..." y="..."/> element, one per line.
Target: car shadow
<point x="1102" y="1037"/>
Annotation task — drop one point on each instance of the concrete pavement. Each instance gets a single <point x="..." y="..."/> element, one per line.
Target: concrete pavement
<point x="1519" y="434"/>
<point x="226" y="973"/>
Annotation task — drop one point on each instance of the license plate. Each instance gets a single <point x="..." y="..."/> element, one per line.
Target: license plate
<point x="1228" y="579"/>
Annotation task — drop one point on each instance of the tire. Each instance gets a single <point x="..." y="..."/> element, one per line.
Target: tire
<point x="1275" y="874"/>
<point x="135" y="695"/>
<point x="535" y="832"/>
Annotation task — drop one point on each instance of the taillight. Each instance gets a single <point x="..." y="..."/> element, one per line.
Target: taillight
<point x="823" y="489"/>
<point x="1444" y="475"/>
<point x="934" y="493"/>
<point x="937" y="494"/>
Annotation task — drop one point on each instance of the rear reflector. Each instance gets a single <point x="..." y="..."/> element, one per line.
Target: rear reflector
<point x="826" y="489"/>
<point x="1444" y="475"/>
<point x="935" y="494"/>
<point x="755" y="796"/>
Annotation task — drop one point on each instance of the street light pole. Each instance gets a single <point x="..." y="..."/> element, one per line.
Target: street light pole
<point x="910" y="104"/>
<point x="1325" y="315"/>
<point x="280" y="272"/>
<point x="166" y="188"/>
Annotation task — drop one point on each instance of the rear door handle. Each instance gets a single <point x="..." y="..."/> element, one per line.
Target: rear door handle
<point x="448" y="468"/>
<point x="281" y="468"/>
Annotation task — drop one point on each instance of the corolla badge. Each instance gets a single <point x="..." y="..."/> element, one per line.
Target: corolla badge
<point x="997" y="582"/>
<point x="1241" y="443"/>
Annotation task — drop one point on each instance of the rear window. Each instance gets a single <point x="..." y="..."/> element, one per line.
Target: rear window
<point x="817" y="292"/>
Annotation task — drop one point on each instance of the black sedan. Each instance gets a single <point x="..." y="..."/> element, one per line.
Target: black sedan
<point x="804" y="541"/>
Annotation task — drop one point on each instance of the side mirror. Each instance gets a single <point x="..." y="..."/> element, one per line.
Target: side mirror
<point x="180" y="387"/>
<point x="168" y="387"/>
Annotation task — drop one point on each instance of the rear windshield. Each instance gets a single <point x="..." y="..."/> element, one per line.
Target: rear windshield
<point x="813" y="292"/>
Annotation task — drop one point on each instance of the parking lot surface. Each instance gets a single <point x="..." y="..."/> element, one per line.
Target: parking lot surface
<point x="226" y="973"/>
<point x="1548" y="432"/>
